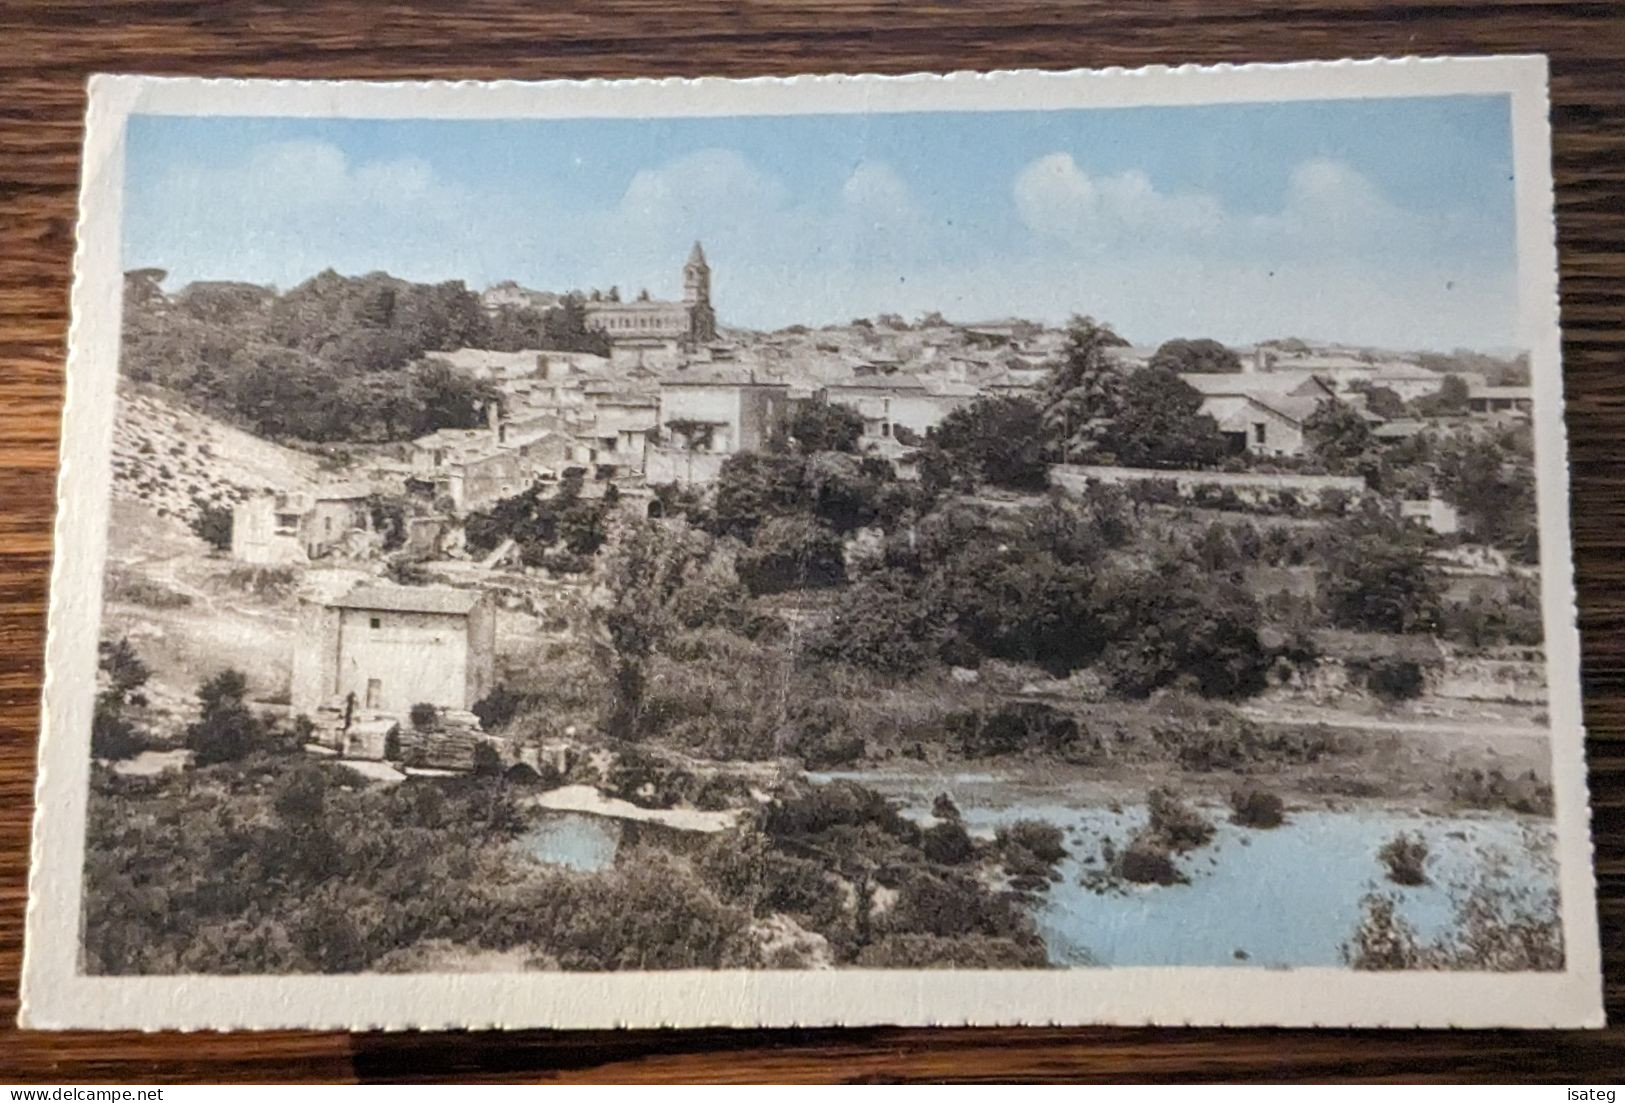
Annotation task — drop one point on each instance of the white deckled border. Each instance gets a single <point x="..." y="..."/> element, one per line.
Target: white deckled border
<point x="56" y="995"/>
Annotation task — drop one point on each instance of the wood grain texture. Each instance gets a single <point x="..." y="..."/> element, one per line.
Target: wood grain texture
<point x="48" y="48"/>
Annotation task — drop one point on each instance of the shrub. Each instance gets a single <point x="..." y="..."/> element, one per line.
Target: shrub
<point x="226" y="730"/>
<point x="819" y="733"/>
<point x="790" y="553"/>
<point x="1377" y="577"/>
<point x="121" y="675"/>
<point x="1525" y="793"/>
<point x="1171" y="621"/>
<point x="947" y="843"/>
<point x="1176" y="823"/>
<point x="425" y="717"/>
<point x="878" y="624"/>
<point x="1209" y="738"/>
<point x="1497" y="928"/>
<point x="1014" y="727"/>
<point x="1147" y="861"/>
<point x="644" y="779"/>
<point x="1406" y="857"/>
<point x="1395" y="679"/>
<point x="487" y="760"/>
<point x="1256" y="808"/>
<point x="1043" y="841"/>
<point x="141" y="591"/>
<point x="497" y="708"/>
<point x="1160" y="492"/>
<point x="212" y="525"/>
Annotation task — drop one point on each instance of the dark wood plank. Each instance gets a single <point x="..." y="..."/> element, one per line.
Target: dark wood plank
<point x="48" y="48"/>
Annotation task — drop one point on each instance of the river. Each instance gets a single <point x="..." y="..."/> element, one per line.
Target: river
<point x="1287" y="896"/>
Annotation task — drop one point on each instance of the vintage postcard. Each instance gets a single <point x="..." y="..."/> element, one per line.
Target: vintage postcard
<point x="1024" y="547"/>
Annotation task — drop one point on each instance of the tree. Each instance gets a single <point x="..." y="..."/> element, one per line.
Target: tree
<point x="1200" y="355"/>
<point x="227" y="730"/>
<point x="1080" y="397"/>
<point x="752" y="488"/>
<point x="879" y="624"/>
<point x="1337" y="435"/>
<point x="447" y="398"/>
<point x="1159" y="423"/>
<point x="387" y="512"/>
<point x="122" y="675"/>
<point x="825" y="427"/>
<point x="1171" y="621"/>
<point x="212" y="525"/>
<point x="1453" y="395"/>
<point x="643" y="573"/>
<point x="1377" y="577"/>
<point x="1494" y="488"/>
<point x="999" y="440"/>
<point x="1382" y="401"/>
<point x="792" y="553"/>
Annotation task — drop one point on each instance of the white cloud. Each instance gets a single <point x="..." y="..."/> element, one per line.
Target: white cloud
<point x="879" y="198"/>
<point x="1056" y="198"/>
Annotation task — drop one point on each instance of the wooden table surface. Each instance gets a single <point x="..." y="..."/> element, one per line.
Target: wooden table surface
<point x="48" y="48"/>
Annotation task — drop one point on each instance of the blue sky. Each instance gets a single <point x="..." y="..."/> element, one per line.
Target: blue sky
<point x="1374" y="221"/>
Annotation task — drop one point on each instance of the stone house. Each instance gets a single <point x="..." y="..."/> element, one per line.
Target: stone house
<point x="393" y="647"/>
<point x="903" y="400"/>
<point x="298" y="526"/>
<point x="1486" y="400"/>
<point x="1261" y="412"/>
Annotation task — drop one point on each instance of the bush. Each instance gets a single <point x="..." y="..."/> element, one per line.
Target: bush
<point x="1491" y="788"/>
<point x="227" y="730"/>
<point x="1014" y="727"/>
<point x="120" y="675"/>
<point x="820" y="733"/>
<point x="212" y="525"/>
<point x="1030" y="849"/>
<point x="878" y="624"/>
<point x="1147" y="861"/>
<point x="496" y="708"/>
<point x="1257" y="808"/>
<point x="487" y="760"/>
<point x="1497" y="928"/>
<point x="1170" y="622"/>
<point x="644" y="779"/>
<point x="425" y="717"/>
<point x="1406" y="857"/>
<point x="947" y="843"/>
<point x="1395" y="679"/>
<point x="1174" y="822"/>
<point x="791" y="553"/>
<point x="1157" y="492"/>
<point x="1043" y="841"/>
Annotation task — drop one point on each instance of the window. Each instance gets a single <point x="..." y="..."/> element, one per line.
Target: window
<point x="1258" y="432"/>
<point x="376" y="622"/>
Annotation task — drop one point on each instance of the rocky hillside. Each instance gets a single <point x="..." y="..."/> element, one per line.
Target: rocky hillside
<point x="171" y="457"/>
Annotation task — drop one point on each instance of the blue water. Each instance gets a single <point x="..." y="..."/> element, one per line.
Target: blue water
<point x="1286" y="896"/>
<point x="574" y="840"/>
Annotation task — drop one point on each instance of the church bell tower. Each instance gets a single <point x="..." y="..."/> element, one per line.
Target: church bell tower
<point x="702" y="320"/>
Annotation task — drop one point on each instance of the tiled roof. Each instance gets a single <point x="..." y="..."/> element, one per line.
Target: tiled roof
<point x="409" y="599"/>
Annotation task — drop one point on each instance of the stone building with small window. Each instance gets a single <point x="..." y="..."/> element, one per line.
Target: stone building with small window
<point x="295" y="527"/>
<point x="393" y="647"/>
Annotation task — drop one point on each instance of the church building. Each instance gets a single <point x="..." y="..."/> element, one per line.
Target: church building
<point x="652" y="323"/>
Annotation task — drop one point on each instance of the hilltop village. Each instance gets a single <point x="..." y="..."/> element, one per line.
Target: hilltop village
<point x="730" y="589"/>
